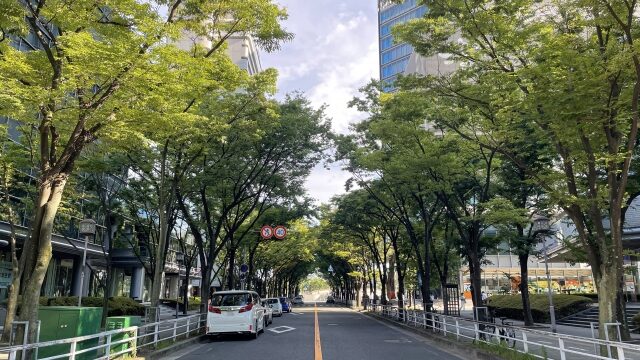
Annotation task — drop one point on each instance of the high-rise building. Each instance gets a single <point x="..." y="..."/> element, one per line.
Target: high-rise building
<point x="394" y="57"/>
<point x="398" y="57"/>
<point x="241" y="48"/>
<point x="243" y="52"/>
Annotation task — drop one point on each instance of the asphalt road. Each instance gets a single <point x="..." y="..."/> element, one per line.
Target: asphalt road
<point x="342" y="333"/>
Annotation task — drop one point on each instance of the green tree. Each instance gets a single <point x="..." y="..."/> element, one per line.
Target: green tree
<point x="105" y="72"/>
<point x="261" y="160"/>
<point x="570" y="70"/>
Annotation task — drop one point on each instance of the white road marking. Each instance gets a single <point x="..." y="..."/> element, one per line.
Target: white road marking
<point x="332" y="324"/>
<point x="281" y="329"/>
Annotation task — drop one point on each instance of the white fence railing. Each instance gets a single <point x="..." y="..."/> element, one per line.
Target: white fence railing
<point x="110" y="344"/>
<point x="537" y="343"/>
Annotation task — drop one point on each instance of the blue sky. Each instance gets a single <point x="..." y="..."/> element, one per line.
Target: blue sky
<point x="333" y="54"/>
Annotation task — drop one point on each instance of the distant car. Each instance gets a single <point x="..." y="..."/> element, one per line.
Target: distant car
<point x="274" y="305"/>
<point x="268" y="313"/>
<point x="331" y="300"/>
<point x="237" y="312"/>
<point x="297" y="300"/>
<point x="286" y="305"/>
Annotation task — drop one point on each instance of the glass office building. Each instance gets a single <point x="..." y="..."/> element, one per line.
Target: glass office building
<point x="394" y="57"/>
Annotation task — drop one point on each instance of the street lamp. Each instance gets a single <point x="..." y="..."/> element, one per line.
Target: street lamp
<point x="541" y="226"/>
<point x="179" y="261"/>
<point x="87" y="229"/>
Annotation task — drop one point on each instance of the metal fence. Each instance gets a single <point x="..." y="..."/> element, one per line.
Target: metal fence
<point x="537" y="343"/>
<point x="111" y="344"/>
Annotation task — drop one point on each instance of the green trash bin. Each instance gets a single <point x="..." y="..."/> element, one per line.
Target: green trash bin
<point x="63" y="322"/>
<point x="121" y="322"/>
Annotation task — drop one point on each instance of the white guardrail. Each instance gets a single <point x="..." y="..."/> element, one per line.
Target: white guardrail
<point x="110" y="344"/>
<point x="536" y="343"/>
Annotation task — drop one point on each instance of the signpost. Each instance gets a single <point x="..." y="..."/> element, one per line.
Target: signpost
<point x="280" y="232"/>
<point x="266" y="232"/>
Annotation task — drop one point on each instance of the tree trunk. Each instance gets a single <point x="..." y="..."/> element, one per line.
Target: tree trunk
<point x="524" y="289"/>
<point x="426" y="281"/>
<point x="107" y="288"/>
<point x="232" y="269"/>
<point x="476" y="280"/>
<point x="251" y="276"/>
<point x="185" y="289"/>
<point x="374" y="285"/>
<point x="383" y="285"/>
<point x="610" y="297"/>
<point x="161" y="255"/>
<point x="38" y="250"/>
<point x="14" y="288"/>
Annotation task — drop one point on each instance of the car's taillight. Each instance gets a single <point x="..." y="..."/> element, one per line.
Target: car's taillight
<point x="245" y="308"/>
<point x="214" y="310"/>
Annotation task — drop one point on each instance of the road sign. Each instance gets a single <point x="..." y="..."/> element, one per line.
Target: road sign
<point x="280" y="232"/>
<point x="266" y="232"/>
<point x="244" y="268"/>
<point x="330" y="269"/>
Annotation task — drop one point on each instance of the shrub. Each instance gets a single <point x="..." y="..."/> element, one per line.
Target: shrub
<point x="592" y="296"/>
<point x="194" y="303"/>
<point x="117" y="306"/>
<point x="511" y="306"/>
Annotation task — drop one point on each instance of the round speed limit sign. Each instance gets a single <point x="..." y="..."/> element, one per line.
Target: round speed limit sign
<point x="266" y="232"/>
<point x="280" y="232"/>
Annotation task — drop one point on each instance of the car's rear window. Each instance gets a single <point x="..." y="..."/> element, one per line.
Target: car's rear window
<point x="230" y="300"/>
<point x="282" y="300"/>
<point x="272" y="301"/>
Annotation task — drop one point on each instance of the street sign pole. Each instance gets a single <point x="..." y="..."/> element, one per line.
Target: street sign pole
<point x="243" y="276"/>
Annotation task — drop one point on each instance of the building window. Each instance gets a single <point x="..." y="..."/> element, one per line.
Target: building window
<point x="385" y="29"/>
<point x="396" y="10"/>
<point x="396" y="53"/>
<point x="394" y="68"/>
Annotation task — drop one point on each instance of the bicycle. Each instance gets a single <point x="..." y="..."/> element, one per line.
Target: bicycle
<point x="434" y="321"/>
<point x="487" y="332"/>
<point x="507" y="332"/>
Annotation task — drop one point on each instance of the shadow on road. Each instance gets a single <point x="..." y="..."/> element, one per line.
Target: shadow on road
<point x="229" y="338"/>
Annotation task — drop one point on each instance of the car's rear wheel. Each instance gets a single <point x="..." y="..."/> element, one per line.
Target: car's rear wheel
<point x="257" y="333"/>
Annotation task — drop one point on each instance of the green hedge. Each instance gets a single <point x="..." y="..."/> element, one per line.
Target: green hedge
<point x="194" y="303"/>
<point x="118" y="306"/>
<point x="592" y="296"/>
<point x="511" y="306"/>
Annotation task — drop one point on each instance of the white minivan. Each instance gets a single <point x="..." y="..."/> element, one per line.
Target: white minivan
<point x="237" y="311"/>
<point x="274" y="303"/>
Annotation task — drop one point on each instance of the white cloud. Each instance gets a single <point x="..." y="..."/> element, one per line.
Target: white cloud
<point x="334" y="53"/>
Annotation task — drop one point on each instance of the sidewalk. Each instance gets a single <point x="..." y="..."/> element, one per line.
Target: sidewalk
<point x="562" y="329"/>
<point x="166" y="315"/>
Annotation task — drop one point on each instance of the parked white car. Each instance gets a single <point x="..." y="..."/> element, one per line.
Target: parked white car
<point x="274" y="303"/>
<point x="268" y="313"/>
<point x="237" y="311"/>
<point x="297" y="300"/>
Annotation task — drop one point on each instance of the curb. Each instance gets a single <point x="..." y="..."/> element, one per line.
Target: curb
<point x="460" y="349"/>
<point x="177" y="346"/>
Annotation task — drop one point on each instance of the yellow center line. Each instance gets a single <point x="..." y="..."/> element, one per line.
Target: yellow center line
<point x="318" y="348"/>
